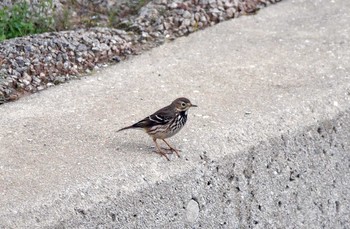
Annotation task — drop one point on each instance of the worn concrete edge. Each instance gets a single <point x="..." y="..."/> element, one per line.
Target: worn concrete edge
<point x="156" y="198"/>
<point x="129" y="209"/>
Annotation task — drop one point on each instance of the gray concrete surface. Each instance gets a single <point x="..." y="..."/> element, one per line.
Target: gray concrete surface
<point x="268" y="146"/>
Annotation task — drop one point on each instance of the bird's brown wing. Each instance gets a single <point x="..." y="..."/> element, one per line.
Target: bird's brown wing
<point x="160" y="117"/>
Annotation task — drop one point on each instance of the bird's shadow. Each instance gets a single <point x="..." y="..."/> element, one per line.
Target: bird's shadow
<point x="133" y="146"/>
<point x="142" y="147"/>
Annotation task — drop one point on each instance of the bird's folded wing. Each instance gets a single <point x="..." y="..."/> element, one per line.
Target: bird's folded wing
<point x="161" y="117"/>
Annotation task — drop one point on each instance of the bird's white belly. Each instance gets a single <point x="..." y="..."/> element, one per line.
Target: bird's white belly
<point x="162" y="133"/>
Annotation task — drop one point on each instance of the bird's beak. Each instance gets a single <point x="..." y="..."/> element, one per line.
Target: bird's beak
<point x="192" y="105"/>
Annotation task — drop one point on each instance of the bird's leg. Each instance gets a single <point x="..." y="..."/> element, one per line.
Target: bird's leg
<point x="172" y="149"/>
<point x="159" y="150"/>
<point x="166" y="150"/>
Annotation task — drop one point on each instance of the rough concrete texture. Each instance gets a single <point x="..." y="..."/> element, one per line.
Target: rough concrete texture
<point x="268" y="146"/>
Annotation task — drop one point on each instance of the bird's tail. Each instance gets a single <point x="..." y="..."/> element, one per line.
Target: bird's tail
<point x="125" y="128"/>
<point x="129" y="127"/>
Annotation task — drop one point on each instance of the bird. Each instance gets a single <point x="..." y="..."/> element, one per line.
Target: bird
<point x="165" y="123"/>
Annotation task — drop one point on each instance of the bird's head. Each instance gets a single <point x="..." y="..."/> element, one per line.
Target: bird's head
<point x="183" y="104"/>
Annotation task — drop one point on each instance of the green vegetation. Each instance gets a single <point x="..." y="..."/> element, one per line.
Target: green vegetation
<point x="23" y="18"/>
<point x="20" y="20"/>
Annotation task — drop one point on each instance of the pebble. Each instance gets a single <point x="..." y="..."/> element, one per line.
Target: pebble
<point x="230" y="12"/>
<point x="192" y="211"/>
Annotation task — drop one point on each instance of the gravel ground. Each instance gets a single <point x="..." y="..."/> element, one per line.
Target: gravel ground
<point x="33" y="63"/>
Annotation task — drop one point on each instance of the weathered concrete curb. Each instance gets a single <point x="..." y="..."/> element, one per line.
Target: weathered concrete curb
<point x="297" y="179"/>
<point x="268" y="146"/>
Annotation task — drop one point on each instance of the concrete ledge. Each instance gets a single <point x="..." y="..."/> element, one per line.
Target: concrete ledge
<point x="298" y="178"/>
<point x="268" y="146"/>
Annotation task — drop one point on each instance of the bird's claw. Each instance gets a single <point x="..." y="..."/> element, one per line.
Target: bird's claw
<point x="174" y="150"/>
<point x="162" y="154"/>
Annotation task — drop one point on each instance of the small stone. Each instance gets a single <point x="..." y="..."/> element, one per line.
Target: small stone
<point x="26" y="78"/>
<point x="13" y="97"/>
<point x="167" y="25"/>
<point x="228" y="4"/>
<point x="212" y="3"/>
<point x="160" y="27"/>
<point x="221" y="8"/>
<point x="30" y="88"/>
<point x="36" y="80"/>
<point x="155" y="34"/>
<point x="160" y="2"/>
<point x="116" y="59"/>
<point x="216" y="10"/>
<point x="145" y="35"/>
<point x="21" y="85"/>
<point x="59" y="80"/>
<point x="28" y="48"/>
<point x="80" y="60"/>
<point x="66" y="65"/>
<point x="197" y="16"/>
<point x="219" y="3"/>
<point x="48" y="59"/>
<point x="15" y="74"/>
<point x="20" y="61"/>
<point x="186" y="22"/>
<point x="193" y="22"/>
<point x="173" y="5"/>
<point x="186" y="14"/>
<point x="192" y="211"/>
<point x="40" y="88"/>
<point x="81" y="48"/>
<point x="230" y="12"/>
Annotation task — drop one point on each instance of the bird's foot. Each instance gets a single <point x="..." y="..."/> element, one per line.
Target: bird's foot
<point x="174" y="150"/>
<point x="162" y="154"/>
<point x="169" y="151"/>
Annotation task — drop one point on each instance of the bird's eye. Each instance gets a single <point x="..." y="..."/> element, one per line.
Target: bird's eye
<point x="183" y="104"/>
